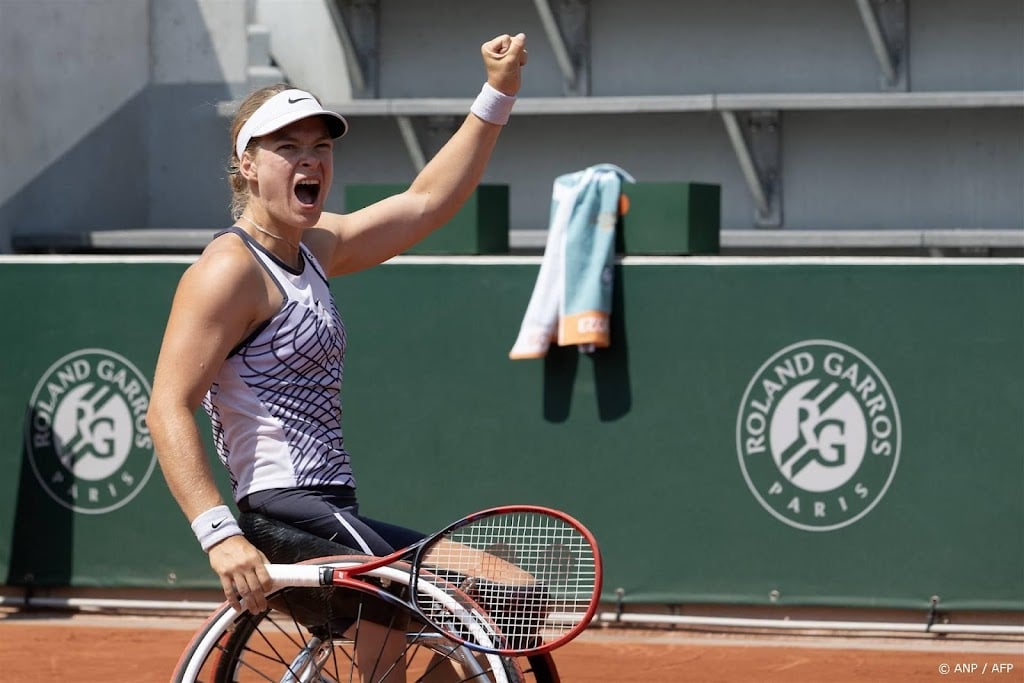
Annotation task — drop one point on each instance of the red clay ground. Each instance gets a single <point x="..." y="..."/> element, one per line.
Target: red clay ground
<point x="95" y="649"/>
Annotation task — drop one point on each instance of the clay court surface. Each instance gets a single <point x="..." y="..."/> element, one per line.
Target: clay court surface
<point x="99" y="648"/>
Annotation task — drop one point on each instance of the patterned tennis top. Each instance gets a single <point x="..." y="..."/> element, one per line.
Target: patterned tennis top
<point x="275" y="404"/>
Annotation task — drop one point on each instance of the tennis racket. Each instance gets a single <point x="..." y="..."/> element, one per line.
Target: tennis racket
<point x="513" y="580"/>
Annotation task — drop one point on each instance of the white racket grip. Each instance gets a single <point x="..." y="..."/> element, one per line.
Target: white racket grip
<point x="298" y="575"/>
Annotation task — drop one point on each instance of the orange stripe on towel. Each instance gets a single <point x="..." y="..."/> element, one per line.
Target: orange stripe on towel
<point x="588" y="327"/>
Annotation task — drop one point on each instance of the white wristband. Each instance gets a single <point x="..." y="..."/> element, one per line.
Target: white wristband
<point x="214" y="525"/>
<point x="492" y="105"/>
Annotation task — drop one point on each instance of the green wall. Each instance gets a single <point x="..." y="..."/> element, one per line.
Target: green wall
<point x="662" y="444"/>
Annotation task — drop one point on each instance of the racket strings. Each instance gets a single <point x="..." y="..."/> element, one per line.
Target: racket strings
<point x="534" y="575"/>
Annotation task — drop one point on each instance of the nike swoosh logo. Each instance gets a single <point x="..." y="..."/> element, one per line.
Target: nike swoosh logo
<point x="218" y="523"/>
<point x="297" y="99"/>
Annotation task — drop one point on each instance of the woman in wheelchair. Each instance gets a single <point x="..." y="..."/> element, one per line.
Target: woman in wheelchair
<point x="254" y="335"/>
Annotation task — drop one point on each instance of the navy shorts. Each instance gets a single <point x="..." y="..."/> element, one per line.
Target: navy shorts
<point x="332" y="513"/>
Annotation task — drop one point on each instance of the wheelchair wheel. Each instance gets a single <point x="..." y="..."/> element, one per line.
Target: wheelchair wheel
<point x="342" y="634"/>
<point x="539" y="669"/>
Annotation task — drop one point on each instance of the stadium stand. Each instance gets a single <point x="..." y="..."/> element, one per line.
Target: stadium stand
<point x="867" y="126"/>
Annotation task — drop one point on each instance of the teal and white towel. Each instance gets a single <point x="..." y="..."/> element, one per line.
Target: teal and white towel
<point x="572" y="298"/>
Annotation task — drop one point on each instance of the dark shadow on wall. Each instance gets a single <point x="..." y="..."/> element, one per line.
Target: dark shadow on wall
<point x="157" y="161"/>
<point x="610" y="366"/>
<point x="560" y="365"/>
<point x="43" y="530"/>
<point x="189" y="143"/>
<point x="100" y="183"/>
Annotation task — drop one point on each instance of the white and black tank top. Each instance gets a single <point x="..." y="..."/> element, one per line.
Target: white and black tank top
<point x="275" y="404"/>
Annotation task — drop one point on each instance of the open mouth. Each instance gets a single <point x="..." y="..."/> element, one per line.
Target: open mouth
<point x="307" y="191"/>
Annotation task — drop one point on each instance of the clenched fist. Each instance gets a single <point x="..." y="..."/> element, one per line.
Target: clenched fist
<point x="504" y="58"/>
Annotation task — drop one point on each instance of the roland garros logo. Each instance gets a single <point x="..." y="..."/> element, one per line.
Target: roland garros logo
<point x="86" y="431"/>
<point x="818" y="435"/>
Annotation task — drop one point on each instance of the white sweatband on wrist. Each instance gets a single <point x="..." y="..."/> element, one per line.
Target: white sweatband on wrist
<point x="493" y="106"/>
<point x="214" y="525"/>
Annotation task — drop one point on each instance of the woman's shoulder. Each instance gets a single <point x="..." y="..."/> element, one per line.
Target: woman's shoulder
<point x="225" y="261"/>
<point x="223" y="290"/>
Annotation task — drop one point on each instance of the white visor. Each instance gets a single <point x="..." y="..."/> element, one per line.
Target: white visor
<point x="285" y="108"/>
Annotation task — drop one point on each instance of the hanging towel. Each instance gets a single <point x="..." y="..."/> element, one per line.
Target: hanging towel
<point x="572" y="298"/>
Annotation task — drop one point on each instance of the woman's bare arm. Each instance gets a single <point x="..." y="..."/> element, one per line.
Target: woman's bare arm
<point x="352" y="242"/>
<point x="218" y="299"/>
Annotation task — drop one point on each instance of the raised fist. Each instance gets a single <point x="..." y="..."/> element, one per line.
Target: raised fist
<point x="504" y="58"/>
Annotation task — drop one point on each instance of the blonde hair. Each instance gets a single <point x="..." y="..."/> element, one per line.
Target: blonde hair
<point x="239" y="185"/>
